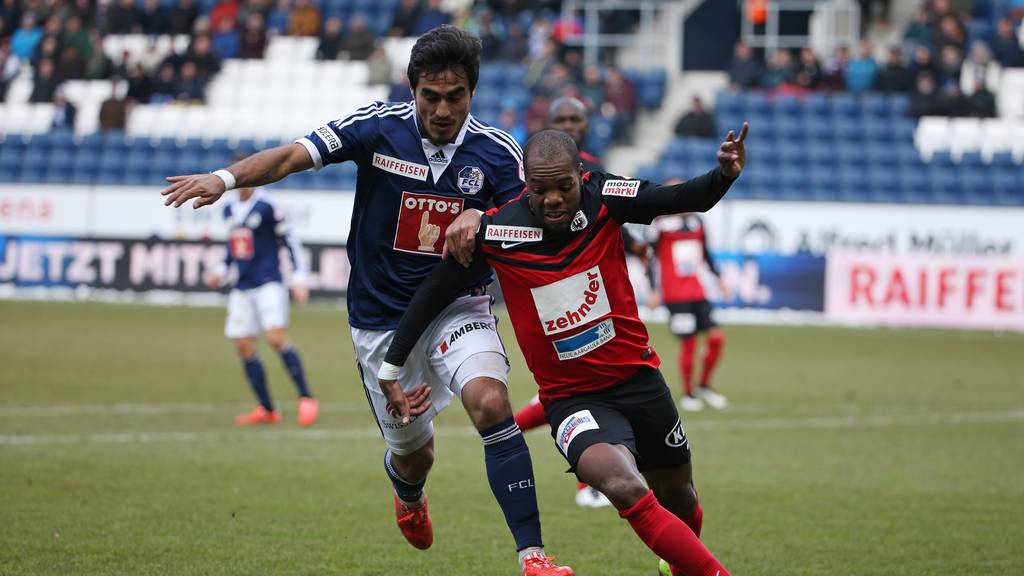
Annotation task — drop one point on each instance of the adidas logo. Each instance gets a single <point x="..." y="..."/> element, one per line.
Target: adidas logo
<point x="438" y="158"/>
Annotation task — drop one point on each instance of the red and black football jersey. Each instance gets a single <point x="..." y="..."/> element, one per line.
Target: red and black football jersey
<point x="682" y="252"/>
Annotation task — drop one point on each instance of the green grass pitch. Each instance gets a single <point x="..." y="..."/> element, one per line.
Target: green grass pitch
<point x="845" y="452"/>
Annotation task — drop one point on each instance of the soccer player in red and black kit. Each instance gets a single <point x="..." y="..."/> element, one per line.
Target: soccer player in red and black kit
<point x="557" y="251"/>
<point x="682" y="250"/>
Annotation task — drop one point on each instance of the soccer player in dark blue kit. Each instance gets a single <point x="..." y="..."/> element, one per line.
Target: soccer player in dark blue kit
<point x="258" y="302"/>
<point x="422" y="164"/>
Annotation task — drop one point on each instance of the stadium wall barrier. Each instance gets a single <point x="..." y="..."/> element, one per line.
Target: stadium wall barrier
<point x="125" y="265"/>
<point x="951" y="291"/>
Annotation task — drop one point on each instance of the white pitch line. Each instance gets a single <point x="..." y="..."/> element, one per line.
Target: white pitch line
<point x="128" y="409"/>
<point x="372" y="433"/>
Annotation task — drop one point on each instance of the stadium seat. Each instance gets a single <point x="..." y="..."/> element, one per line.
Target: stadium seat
<point x="932" y="135"/>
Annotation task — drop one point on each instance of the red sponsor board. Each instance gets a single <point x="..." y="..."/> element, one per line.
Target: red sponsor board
<point x="925" y="290"/>
<point x="423" y="220"/>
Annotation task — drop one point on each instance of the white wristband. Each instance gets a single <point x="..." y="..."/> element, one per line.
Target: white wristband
<point x="388" y="371"/>
<point x="226" y="177"/>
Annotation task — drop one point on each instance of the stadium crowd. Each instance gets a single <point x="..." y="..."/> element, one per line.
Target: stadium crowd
<point x="63" y="40"/>
<point x="947" y="66"/>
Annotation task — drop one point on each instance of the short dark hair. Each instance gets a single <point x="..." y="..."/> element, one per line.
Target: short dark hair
<point x="445" y="48"/>
<point x="550" y="144"/>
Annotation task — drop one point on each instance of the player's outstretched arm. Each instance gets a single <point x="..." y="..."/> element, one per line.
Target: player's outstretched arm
<point x="260" y="169"/>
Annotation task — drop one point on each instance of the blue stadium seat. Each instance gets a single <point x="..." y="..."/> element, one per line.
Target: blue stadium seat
<point x="944" y="185"/>
<point x="755" y="104"/>
<point x="876" y="129"/>
<point x="971" y="160"/>
<point x="1003" y="160"/>
<point x="816" y="105"/>
<point x="817" y="129"/>
<point x="976" y="184"/>
<point x="844" y="105"/>
<point x="819" y="154"/>
<point x="728" y="102"/>
<point x="898" y="105"/>
<point x="881" y="155"/>
<point x="907" y="155"/>
<point x="903" y="130"/>
<point x="852" y="155"/>
<point x="873" y="105"/>
<point x="787" y="107"/>
<point x="847" y="129"/>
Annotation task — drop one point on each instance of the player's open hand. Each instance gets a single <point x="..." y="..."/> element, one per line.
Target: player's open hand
<point x="300" y="292"/>
<point x="460" y="238"/>
<point x="214" y="281"/>
<point x="205" y="188"/>
<point x="732" y="154"/>
<point x="405" y="405"/>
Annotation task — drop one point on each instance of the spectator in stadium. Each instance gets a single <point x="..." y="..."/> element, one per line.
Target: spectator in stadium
<point x="538" y="67"/>
<point x="508" y="120"/>
<point x="164" y="87"/>
<point x="254" y="37"/>
<point x="923" y="62"/>
<point x="515" y="47"/>
<point x="48" y="49"/>
<point x="98" y="66"/>
<point x="834" y="77"/>
<point x="201" y="54"/>
<point x="71" y="65"/>
<point x="123" y="17"/>
<point x="950" y="63"/>
<point x="74" y="35"/>
<point x="1007" y="46"/>
<point x="404" y="21"/>
<point x="430" y="17"/>
<point x="895" y="76"/>
<point x="697" y="122"/>
<point x="379" y="66"/>
<point x="780" y="70"/>
<point x="113" y="111"/>
<point x="224" y="11"/>
<point x="45" y="82"/>
<point x="153" y="18"/>
<point x="619" y="103"/>
<point x="808" y="71"/>
<point x="861" y="71"/>
<point x="182" y="17"/>
<point x="982" y="102"/>
<point x="26" y="37"/>
<point x="925" y="100"/>
<point x="63" y="111"/>
<point x="279" y="17"/>
<point x="953" y="101"/>
<point x="610" y="411"/>
<point x="330" y="39"/>
<point x="305" y="19"/>
<point x="951" y="32"/>
<point x="745" y="70"/>
<point x="536" y="116"/>
<point x="488" y="38"/>
<point x="359" y="42"/>
<point x="556" y="81"/>
<point x="443" y="71"/>
<point x="140" y="85"/>
<point x="226" y="40"/>
<point x="9" y="67"/>
<point x="258" y="302"/>
<point x="191" y="87"/>
<point x="980" y="70"/>
<point x="919" y="31"/>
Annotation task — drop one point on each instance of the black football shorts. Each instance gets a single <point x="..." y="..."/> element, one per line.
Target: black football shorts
<point x="690" y="318"/>
<point x="638" y="413"/>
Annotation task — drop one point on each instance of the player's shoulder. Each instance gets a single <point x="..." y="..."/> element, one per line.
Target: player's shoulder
<point x="512" y="222"/>
<point x="491" y="141"/>
<point x="607" y="185"/>
<point x="377" y="110"/>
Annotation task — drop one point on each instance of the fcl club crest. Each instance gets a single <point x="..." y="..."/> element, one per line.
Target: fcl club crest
<point x="471" y="180"/>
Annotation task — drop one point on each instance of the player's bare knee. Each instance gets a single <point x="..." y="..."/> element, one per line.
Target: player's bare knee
<point x="680" y="499"/>
<point x="486" y="402"/>
<point x="622" y="487"/>
<point x="278" y="338"/>
<point x="246" y="348"/>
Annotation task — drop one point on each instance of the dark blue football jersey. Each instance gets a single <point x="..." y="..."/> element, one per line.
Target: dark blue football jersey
<point x="257" y="231"/>
<point x="408" y="191"/>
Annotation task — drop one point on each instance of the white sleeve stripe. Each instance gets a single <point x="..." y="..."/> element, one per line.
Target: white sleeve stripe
<point x="500" y="133"/>
<point x="318" y="162"/>
<point x="368" y="112"/>
<point x="503" y="144"/>
<point x="298" y="259"/>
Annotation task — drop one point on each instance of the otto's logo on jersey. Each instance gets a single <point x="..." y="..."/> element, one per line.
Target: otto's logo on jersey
<point x="573" y="426"/>
<point x="571" y="302"/>
<point x="579" y="222"/>
<point x="329" y="138"/>
<point x="422" y="221"/>
<point x="471" y="180"/>
<point x="400" y="167"/>
<point x="462" y="331"/>
<point x="241" y="243"/>
<point x="676" y="438"/>
<point x="590" y="339"/>
<point x="625" y="188"/>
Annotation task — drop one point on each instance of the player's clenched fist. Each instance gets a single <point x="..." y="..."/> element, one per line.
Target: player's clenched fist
<point x="429" y="233"/>
<point x="205" y="188"/>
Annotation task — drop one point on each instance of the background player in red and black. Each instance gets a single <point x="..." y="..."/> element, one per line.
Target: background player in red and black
<point x="682" y="252"/>
<point x="557" y="251"/>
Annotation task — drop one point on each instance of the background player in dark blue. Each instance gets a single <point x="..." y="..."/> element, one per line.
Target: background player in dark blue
<point x="258" y="302"/>
<point x="421" y="164"/>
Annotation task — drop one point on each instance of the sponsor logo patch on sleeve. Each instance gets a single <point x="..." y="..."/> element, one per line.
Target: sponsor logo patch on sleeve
<point x="329" y="138"/>
<point x="625" y="188"/>
<point x="573" y="426"/>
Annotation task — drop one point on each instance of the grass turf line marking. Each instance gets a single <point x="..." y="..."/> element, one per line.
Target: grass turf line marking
<point x="761" y="424"/>
<point x="152" y="409"/>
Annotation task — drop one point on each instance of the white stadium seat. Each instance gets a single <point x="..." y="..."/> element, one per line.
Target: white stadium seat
<point x="964" y="136"/>
<point x="931" y="135"/>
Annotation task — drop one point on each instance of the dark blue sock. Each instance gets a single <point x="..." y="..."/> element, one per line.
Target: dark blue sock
<point x="406" y="491"/>
<point x="258" y="380"/>
<point x="510" y="473"/>
<point x="293" y="363"/>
